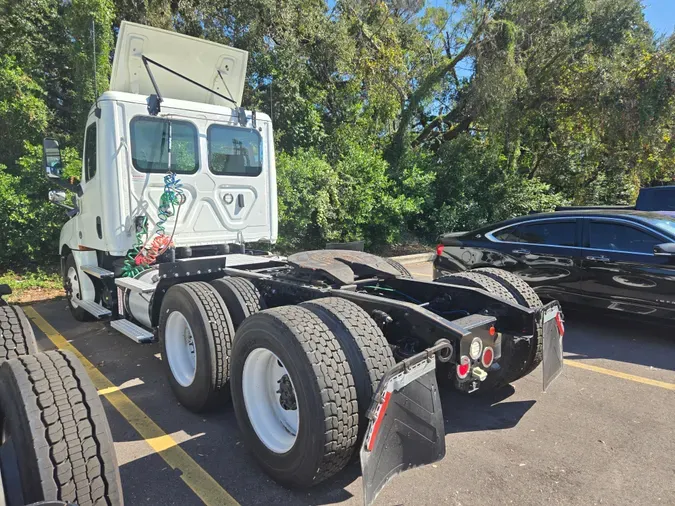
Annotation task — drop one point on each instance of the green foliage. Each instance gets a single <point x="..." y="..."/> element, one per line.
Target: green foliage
<point x="351" y="200"/>
<point x="391" y="118"/>
<point x="30" y="224"/>
<point x="23" y="113"/>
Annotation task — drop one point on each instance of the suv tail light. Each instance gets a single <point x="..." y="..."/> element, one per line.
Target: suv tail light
<point x="439" y="249"/>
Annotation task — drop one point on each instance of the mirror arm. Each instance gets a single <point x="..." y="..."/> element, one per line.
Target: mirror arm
<point x="67" y="185"/>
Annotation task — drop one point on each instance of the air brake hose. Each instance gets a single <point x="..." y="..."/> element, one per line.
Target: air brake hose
<point x="142" y="255"/>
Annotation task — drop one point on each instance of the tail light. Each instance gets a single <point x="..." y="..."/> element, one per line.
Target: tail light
<point x="488" y="357"/>
<point x="463" y="367"/>
<point x="439" y="249"/>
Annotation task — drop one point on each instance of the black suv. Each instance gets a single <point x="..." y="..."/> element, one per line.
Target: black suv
<point x="616" y="259"/>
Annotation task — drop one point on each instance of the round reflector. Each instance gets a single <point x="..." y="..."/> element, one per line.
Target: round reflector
<point x="488" y="357"/>
<point x="463" y="367"/>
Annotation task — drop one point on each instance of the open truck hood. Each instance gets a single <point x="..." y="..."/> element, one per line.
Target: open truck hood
<point x="198" y="59"/>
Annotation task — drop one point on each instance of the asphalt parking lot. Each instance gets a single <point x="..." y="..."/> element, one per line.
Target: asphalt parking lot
<point x="602" y="434"/>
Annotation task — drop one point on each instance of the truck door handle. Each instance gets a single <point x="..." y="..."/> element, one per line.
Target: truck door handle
<point x="240" y="200"/>
<point x="601" y="258"/>
<point x="521" y="251"/>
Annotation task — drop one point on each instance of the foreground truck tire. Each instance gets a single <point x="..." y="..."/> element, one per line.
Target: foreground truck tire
<point x="16" y="334"/>
<point x="365" y="347"/>
<point x="195" y="334"/>
<point x="56" y="442"/>
<point x="294" y="396"/>
<point x="241" y="297"/>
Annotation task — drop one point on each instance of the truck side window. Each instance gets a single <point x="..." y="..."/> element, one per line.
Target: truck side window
<point x="234" y="151"/>
<point x="90" y="152"/>
<point x="150" y="145"/>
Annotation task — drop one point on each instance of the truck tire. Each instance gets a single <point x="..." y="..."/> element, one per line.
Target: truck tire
<point x="404" y="273"/>
<point x="514" y="355"/>
<point x="16" y="334"/>
<point x="523" y="293"/>
<point x="526" y="296"/>
<point x="55" y="424"/>
<point x="195" y="335"/>
<point x="477" y="280"/>
<point x="71" y="285"/>
<point x="305" y="431"/>
<point x="363" y="343"/>
<point x="241" y="297"/>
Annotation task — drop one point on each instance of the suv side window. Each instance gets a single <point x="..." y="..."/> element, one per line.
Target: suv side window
<point x="508" y="234"/>
<point x="90" y="152"/>
<point x="620" y="237"/>
<point x="555" y="233"/>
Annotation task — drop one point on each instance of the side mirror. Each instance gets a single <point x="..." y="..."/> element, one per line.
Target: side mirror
<point x="57" y="197"/>
<point x="665" y="250"/>
<point x="51" y="158"/>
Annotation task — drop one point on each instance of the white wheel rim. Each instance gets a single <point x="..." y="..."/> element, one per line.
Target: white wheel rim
<point x="180" y="349"/>
<point x="273" y="418"/>
<point x="74" y="287"/>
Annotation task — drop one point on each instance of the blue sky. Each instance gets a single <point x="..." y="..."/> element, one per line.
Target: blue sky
<point x="661" y="15"/>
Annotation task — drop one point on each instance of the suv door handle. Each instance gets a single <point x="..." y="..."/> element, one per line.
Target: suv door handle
<point x="521" y="251"/>
<point x="601" y="258"/>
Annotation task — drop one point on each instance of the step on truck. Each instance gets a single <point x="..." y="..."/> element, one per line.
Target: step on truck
<point x="323" y="354"/>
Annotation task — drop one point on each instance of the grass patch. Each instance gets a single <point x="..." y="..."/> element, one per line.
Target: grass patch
<point x="33" y="285"/>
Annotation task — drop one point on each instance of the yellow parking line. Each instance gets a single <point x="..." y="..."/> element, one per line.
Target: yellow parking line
<point x="622" y="375"/>
<point x="194" y="476"/>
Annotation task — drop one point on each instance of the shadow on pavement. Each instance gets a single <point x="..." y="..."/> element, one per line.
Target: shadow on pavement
<point x="478" y="412"/>
<point x="620" y="338"/>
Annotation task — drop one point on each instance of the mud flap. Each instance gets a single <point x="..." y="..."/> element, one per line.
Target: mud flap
<point x="554" y="329"/>
<point x="406" y="427"/>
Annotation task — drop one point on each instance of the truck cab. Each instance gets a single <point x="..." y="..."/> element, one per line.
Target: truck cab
<point x="172" y="107"/>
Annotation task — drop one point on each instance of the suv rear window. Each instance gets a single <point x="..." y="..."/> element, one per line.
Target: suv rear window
<point x="234" y="151"/>
<point x="150" y="145"/>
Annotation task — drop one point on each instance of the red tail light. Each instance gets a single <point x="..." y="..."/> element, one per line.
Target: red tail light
<point x="488" y="357"/>
<point x="439" y="249"/>
<point x="463" y="367"/>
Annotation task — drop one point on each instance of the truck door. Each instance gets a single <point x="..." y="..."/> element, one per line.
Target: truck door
<point x="91" y="205"/>
<point x="621" y="271"/>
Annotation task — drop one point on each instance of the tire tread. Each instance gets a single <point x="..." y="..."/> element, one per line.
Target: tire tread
<point x="16" y="334"/>
<point x="77" y="464"/>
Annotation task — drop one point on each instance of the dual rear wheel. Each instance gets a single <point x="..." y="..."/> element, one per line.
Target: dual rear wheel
<point x="518" y="359"/>
<point x="301" y="377"/>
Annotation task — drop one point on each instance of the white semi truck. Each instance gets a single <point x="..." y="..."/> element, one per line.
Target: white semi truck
<point x="320" y="352"/>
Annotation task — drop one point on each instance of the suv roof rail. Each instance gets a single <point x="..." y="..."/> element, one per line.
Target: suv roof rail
<point x="581" y="208"/>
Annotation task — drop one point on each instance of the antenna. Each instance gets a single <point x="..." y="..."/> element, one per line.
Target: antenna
<point x="93" y="40"/>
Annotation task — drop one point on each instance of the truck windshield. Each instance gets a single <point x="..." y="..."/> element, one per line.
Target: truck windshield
<point x="150" y="145"/>
<point x="234" y="151"/>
